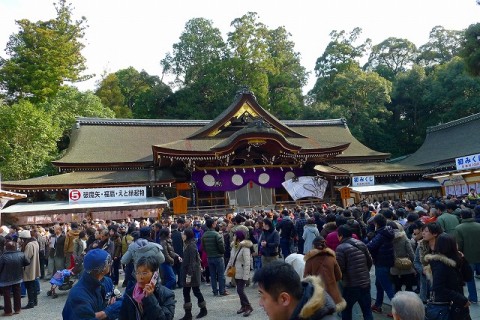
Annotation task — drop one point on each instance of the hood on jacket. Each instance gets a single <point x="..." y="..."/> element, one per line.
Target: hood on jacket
<point x="398" y="235"/>
<point x="310" y="226"/>
<point x="314" y="252"/>
<point x="244" y="244"/>
<point x="143" y="245"/>
<point x="437" y="257"/>
<point x="73" y="233"/>
<point x="315" y="302"/>
<point x="386" y="232"/>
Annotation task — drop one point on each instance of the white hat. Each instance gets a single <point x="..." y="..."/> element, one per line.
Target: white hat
<point x="4" y="230"/>
<point x="25" y="234"/>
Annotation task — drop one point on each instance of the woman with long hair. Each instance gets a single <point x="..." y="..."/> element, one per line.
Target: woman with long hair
<point x="191" y="276"/>
<point x="240" y="258"/>
<point x="447" y="280"/>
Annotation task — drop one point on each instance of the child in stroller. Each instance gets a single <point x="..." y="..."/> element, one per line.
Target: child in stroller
<point x="61" y="280"/>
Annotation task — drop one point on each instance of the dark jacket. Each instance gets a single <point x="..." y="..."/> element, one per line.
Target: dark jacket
<point x="59" y="245"/>
<point x="355" y="262"/>
<point x="177" y="242"/>
<point x="315" y="303"/>
<point x="11" y="267"/>
<point x="381" y="247"/>
<point x="159" y="306"/>
<point x="286" y="228"/>
<point x="273" y="241"/>
<point x="89" y="296"/>
<point x="168" y="251"/>
<point x="445" y="279"/>
<point x="213" y="244"/>
<point x="191" y="265"/>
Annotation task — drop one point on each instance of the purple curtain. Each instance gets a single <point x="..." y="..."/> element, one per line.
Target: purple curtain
<point x="229" y="180"/>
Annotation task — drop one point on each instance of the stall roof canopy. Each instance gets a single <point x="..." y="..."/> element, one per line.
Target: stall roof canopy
<point x="11" y="195"/>
<point x="446" y="142"/>
<point x="394" y="187"/>
<point x="39" y="208"/>
<point x="367" y="168"/>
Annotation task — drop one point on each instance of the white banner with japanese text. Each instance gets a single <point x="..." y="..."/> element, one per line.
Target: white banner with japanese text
<point x="360" y="181"/>
<point x="468" y="162"/>
<point x="106" y="194"/>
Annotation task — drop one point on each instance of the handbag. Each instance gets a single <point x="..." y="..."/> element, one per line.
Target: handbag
<point x="437" y="311"/>
<point x="403" y="263"/>
<point x="232" y="270"/>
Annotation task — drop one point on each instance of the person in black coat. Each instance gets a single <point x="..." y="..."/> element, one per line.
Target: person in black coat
<point x="446" y="278"/>
<point x="148" y="300"/>
<point x="191" y="277"/>
<point x="11" y="275"/>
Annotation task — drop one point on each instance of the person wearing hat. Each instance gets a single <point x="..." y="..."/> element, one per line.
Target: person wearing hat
<point x="31" y="249"/>
<point x="93" y="296"/>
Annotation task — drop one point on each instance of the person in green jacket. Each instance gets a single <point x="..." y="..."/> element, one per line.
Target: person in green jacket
<point x="214" y="247"/>
<point x="447" y="220"/>
<point x="466" y="235"/>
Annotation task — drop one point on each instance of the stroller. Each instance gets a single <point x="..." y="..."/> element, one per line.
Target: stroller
<point x="61" y="280"/>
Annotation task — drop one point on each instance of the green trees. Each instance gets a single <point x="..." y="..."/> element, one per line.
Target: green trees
<point x="210" y="70"/>
<point x="42" y="56"/>
<point x="470" y="49"/>
<point x="130" y="93"/>
<point x="28" y="140"/>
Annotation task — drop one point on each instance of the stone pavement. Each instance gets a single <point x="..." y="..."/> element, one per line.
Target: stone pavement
<point x="218" y="307"/>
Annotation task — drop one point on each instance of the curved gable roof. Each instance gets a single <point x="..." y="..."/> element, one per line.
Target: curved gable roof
<point x="446" y="142"/>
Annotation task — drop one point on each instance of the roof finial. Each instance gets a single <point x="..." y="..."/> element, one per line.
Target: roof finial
<point x="245" y="90"/>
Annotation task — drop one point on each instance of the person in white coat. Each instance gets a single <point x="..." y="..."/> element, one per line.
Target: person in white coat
<point x="240" y="258"/>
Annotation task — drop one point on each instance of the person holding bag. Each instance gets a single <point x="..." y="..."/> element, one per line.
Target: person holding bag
<point x="402" y="272"/>
<point x="238" y="267"/>
<point x="445" y="273"/>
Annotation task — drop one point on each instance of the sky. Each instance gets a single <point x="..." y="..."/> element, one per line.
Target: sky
<point x="124" y="33"/>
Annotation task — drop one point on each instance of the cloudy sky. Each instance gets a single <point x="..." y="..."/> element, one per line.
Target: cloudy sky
<point x="125" y="33"/>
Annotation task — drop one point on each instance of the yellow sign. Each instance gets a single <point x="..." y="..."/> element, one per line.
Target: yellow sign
<point x="180" y="205"/>
<point x="345" y="193"/>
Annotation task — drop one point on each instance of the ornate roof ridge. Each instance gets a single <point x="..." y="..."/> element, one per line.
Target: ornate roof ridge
<point x="453" y="123"/>
<point x="140" y="122"/>
<point x="326" y="122"/>
<point x="179" y="122"/>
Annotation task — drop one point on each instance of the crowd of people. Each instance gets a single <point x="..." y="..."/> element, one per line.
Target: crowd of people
<point x="308" y="262"/>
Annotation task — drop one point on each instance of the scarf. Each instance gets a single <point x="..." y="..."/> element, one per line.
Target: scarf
<point x="138" y="294"/>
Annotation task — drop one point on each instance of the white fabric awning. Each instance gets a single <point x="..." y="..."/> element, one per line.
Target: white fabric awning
<point x="400" y="186"/>
<point x="66" y="207"/>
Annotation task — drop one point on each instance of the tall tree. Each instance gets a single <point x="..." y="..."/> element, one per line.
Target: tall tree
<point x="110" y="93"/>
<point x="409" y="111"/>
<point x="286" y="82"/>
<point x="251" y="59"/>
<point x="200" y="44"/>
<point x="341" y="54"/>
<point x="441" y="47"/>
<point x="391" y="56"/>
<point x="452" y="93"/>
<point x="28" y="141"/>
<point x="43" y="55"/>
<point x="470" y="50"/>
<point x="70" y="103"/>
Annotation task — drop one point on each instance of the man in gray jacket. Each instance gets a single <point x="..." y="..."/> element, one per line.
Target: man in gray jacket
<point x="355" y="262"/>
